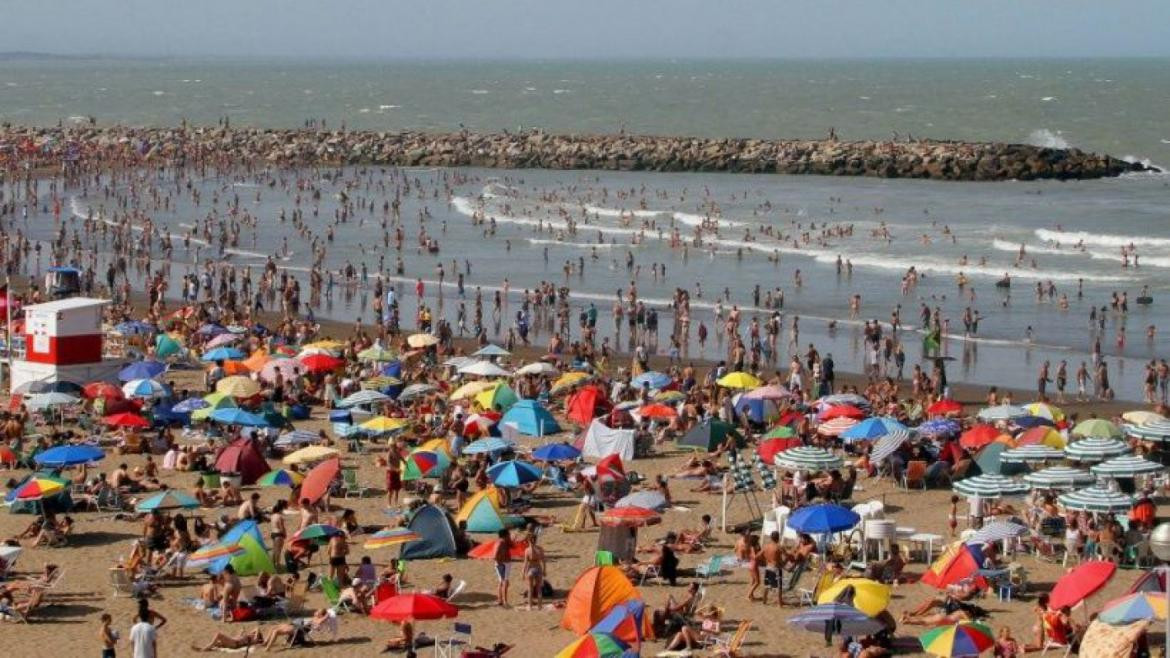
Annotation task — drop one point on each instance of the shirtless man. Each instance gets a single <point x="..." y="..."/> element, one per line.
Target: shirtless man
<point x="773" y="567"/>
<point x="338" y="550"/>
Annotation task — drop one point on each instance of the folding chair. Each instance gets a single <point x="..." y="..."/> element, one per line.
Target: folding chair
<point x="456" y="590"/>
<point x="332" y="592"/>
<point x="728" y="645"/>
<point x="460" y="637"/>
<point x="350" y="483"/>
<point x="713" y="567"/>
<point x="914" y="475"/>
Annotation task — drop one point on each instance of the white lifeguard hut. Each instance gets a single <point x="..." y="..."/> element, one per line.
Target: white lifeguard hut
<point x="62" y="341"/>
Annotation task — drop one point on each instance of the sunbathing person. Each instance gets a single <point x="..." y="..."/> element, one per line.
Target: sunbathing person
<point x="40" y="581"/>
<point x="225" y="641"/>
<point x="888" y="570"/>
<point x="298" y="631"/>
<point x="953" y="611"/>
<point x="698" y="536"/>
<point x="404" y="640"/>
<point x="693" y="468"/>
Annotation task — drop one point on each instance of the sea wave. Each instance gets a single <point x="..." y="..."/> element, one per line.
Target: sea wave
<point x="1048" y="139"/>
<point x="1100" y="239"/>
<point x="935" y="266"/>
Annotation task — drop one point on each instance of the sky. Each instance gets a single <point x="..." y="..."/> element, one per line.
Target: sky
<point x="588" y="29"/>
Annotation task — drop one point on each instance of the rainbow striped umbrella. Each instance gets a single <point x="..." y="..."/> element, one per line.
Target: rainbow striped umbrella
<point x="594" y="645"/>
<point x="424" y="463"/>
<point x="391" y="537"/>
<point x="213" y="552"/>
<point x="965" y="638"/>
<point x="1134" y="607"/>
<point x="280" y="478"/>
<point x="37" y="488"/>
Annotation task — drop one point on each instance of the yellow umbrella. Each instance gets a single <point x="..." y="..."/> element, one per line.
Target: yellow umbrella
<point x="1141" y="417"/>
<point x="438" y="445"/>
<point x="1045" y="410"/>
<point x="421" y="340"/>
<point x="237" y="386"/>
<point x="383" y="424"/>
<point x="869" y="596"/>
<point x="739" y="380"/>
<point x="569" y="379"/>
<point x="471" y="389"/>
<point x="328" y="344"/>
<point x="256" y="362"/>
<point x="310" y="454"/>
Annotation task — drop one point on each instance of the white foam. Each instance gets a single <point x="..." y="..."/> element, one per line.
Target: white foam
<point x="480" y="92"/>
<point x="158" y="93"/>
<point x="936" y="266"/>
<point x="1100" y="239"/>
<point x="576" y="245"/>
<point x="1048" y="139"/>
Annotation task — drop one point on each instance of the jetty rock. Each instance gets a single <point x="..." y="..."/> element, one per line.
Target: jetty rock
<point x="82" y="146"/>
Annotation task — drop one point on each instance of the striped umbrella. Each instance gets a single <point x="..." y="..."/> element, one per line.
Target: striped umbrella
<point x="872" y="428"/>
<point x="364" y="397"/>
<point x="1097" y="499"/>
<point x="1095" y="449"/>
<point x="965" y="639"/>
<point x="888" y="445"/>
<point x="1156" y="430"/>
<point x="1059" y="477"/>
<point x="1125" y="466"/>
<point x="836" y="426"/>
<point x="1031" y="453"/>
<point x="836" y="619"/>
<point x="143" y="388"/>
<point x="36" y="488"/>
<point x="213" y="552"/>
<point x="989" y="485"/>
<point x="488" y="444"/>
<point x="1002" y="412"/>
<point x="1135" y="607"/>
<point x="391" y="537"/>
<point x="997" y="531"/>
<point x="280" y="478"/>
<point x="809" y="458"/>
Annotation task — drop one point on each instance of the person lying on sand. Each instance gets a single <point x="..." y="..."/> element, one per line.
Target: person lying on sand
<point x="241" y="641"/>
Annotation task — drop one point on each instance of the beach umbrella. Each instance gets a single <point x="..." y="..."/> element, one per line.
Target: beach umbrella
<point x="1154" y="430"/>
<point x="422" y="463"/>
<point x="841" y="411"/>
<point x="143" y="388"/>
<point x="944" y="408"/>
<point x="657" y="411"/>
<point x="990" y="485"/>
<point x="380" y="383"/>
<point x="1031" y="453"/>
<point x="1001" y="412"/>
<point x="646" y="499"/>
<point x="868" y="596"/>
<point x="255" y="362"/>
<point x="210" y="329"/>
<point x="939" y="427"/>
<point x="670" y="397"/>
<point x="1095" y="449"/>
<point x="287" y="368"/>
<point x="37" y="487"/>
<point x="391" y="537"/>
<point x="491" y="350"/>
<point x="741" y="380"/>
<point x="1138" y="606"/>
<point x="810" y="458"/>
<point x="69" y="455"/>
<point x="1045" y="410"/>
<point x="234" y="368"/>
<point x="542" y="368"/>
<point x="167" y="500"/>
<point x="979" y="436"/>
<point x="318" y="363"/>
<point x="1029" y="422"/>
<point x="630" y="517"/>
<point x="835" y="619"/>
<point x="190" y="405"/>
<point x="556" y="452"/>
<point x="1141" y="417"/>
<point x="836" y="426"/>
<point x="212" y="552"/>
<point x="104" y="390"/>
<point x="165" y="346"/>
<point x="629" y="622"/>
<point x="1125" y="466"/>
<point x="770" y="392"/>
<point x="845" y="398"/>
<point x="487" y="550"/>
<point x="365" y="397"/>
<point x="1097" y="428"/>
<point x="142" y="370"/>
<point x="318" y="533"/>
<point x="872" y="428"/>
<point x="280" y="478"/>
<point x="319" y="478"/>
<point x="487" y="445"/>
<point x="309" y="455"/>
<point x="384" y="425"/>
<point x="513" y="473"/>
<point x="222" y="354"/>
<point x="1059" y="477"/>
<point x="237" y="416"/>
<point x="47" y="400"/>
<point x="1097" y="499"/>
<point x="651" y="379"/>
<point x="329" y="344"/>
<point x="957" y="563"/>
<point x="471" y="389"/>
<point x="769" y="448"/>
<point x="966" y="638"/>
<point x="419" y="341"/>
<point x="377" y="353"/>
<point x="125" y="419"/>
<point x="1042" y="436"/>
<point x="823" y="519"/>
<point x="296" y="438"/>
<point x="415" y="391"/>
<point x="237" y="386"/>
<point x="997" y="531"/>
<point x="221" y="340"/>
<point x="1080" y="583"/>
<point x="499" y="397"/>
<point x="569" y="380"/>
<point x="414" y="606"/>
<point x="594" y="645"/>
<point x="888" y="445"/>
<point x="134" y="328"/>
<point x="480" y="424"/>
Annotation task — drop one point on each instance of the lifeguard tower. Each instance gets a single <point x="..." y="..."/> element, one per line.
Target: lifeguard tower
<point x="62" y="341"/>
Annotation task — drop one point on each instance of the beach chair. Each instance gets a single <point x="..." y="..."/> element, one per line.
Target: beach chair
<point x="81" y="496"/>
<point x="728" y="645"/>
<point x="809" y="596"/>
<point x="332" y="594"/>
<point x="123" y="583"/>
<point x="109" y="500"/>
<point x="350" y="484"/>
<point x="603" y="558"/>
<point x="460" y="637"/>
<point x="1055" y="640"/>
<point x="456" y="590"/>
<point x="914" y="475"/>
<point x="651" y="571"/>
<point x="713" y="567"/>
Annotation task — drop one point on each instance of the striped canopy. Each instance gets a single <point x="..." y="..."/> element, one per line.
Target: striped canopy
<point x="809" y="458"/>
<point x="1031" y="453"/>
<point x="1059" y="477"/>
<point x="989" y="485"/>
<point x="1158" y="430"/>
<point x="1095" y="449"/>
<point x="1097" y="499"/>
<point x="997" y="531"/>
<point x="888" y="444"/>
<point x="1002" y="412"/>
<point x="836" y="426"/>
<point x="1125" y="466"/>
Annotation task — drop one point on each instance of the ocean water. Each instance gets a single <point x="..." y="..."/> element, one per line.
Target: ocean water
<point x="748" y="228"/>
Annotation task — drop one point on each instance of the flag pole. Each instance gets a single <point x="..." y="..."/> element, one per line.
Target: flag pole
<point x="8" y="327"/>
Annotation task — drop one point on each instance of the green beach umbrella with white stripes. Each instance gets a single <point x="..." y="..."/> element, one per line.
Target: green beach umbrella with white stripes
<point x="809" y="458"/>
<point x="1158" y="430"/>
<point x="990" y="485"/>
<point x="1060" y="477"/>
<point x="1125" y="466"/>
<point x="1095" y="449"/>
<point x="1031" y="453"/>
<point x="1097" y="499"/>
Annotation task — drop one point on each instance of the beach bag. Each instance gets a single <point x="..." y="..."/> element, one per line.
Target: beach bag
<point x="243" y="612"/>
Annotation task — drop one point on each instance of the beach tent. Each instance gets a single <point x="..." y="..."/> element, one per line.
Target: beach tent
<point x="959" y="562"/>
<point x="709" y="434"/>
<point x="529" y="418"/>
<point x="437" y="535"/>
<point x="256" y="556"/>
<point x="586" y="404"/>
<point x="598" y="591"/>
<point x="482" y="513"/>
<point x="757" y="410"/>
<point x="600" y="440"/>
<point x="499" y="398"/>
<point x="59" y="503"/>
<point x="243" y="456"/>
<point x="627" y="622"/>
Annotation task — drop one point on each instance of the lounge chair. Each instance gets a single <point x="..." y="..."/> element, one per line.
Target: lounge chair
<point x="332" y="594"/>
<point x="728" y="645"/>
<point x="456" y="590"/>
<point x="713" y="567"/>
<point x="809" y="596"/>
<point x="350" y="484"/>
<point x="914" y="475"/>
<point x="460" y="637"/>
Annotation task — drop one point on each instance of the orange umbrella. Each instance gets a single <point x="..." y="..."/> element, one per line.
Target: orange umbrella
<point x="630" y="517"/>
<point x="657" y="411"/>
<point x="487" y="550"/>
<point x="316" y="483"/>
<point x="236" y="368"/>
<point x="978" y="436"/>
<point x="257" y="360"/>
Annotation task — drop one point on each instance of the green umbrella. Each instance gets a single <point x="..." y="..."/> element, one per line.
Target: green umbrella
<point x="165" y="346"/>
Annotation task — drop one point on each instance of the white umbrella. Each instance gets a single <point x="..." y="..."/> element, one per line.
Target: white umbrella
<point x="51" y="399"/>
<point x="414" y="391"/>
<point x="483" y="369"/>
<point x="1095" y="449"/>
<point x="997" y="531"/>
<point x="1125" y="466"/>
<point x="989" y="485"/>
<point x="808" y="458"/>
<point x="1097" y="499"/>
<point x="458" y="361"/>
<point x="1158" y="430"/>
<point x="1059" y="477"/>
<point x="1031" y="453"/>
<point x="888" y="445"/>
<point x="1002" y="412"/>
<point x="538" y="368"/>
<point x="143" y="388"/>
<point x="367" y="396"/>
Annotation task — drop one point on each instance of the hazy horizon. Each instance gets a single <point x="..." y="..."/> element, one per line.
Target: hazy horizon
<point x="604" y="29"/>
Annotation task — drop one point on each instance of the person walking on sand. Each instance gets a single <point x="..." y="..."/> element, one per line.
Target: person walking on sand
<point x="108" y="636"/>
<point x="144" y="636"/>
<point x="502" y="559"/>
<point x="534" y="570"/>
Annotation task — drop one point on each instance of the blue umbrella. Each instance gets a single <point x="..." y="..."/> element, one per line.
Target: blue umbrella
<point x="189" y="405"/>
<point x="488" y="444"/>
<point x="222" y="354"/>
<point x="872" y="428"/>
<point x="1028" y="422"/>
<point x="141" y="370"/>
<point x="939" y="427"/>
<point x="170" y="499"/>
<point x="556" y="452"/>
<point x="69" y="455"/>
<point x="237" y="416"/>
<point x="652" y="378"/>
<point x="823" y="519"/>
<point x="513" y="473"/>
<point x="167" y="414"/>
<point x="134" y="327"/>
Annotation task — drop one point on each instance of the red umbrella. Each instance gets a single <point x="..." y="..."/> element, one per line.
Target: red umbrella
<point x="657" y="411"/>
<point x="1080" y="583"/>
<point x="842" y="411"/>
<point x="769" y="448"/>
<point x="957" y="563"/>
<point x="321" y="363"/>
<point x="487" y="550"/>
<point x="630" y="517"/>
<point x="944" y="408"/>
<point x="413" y="606"/>
<point x="480" y="424"/>
<point x="7" y="456"/>
<point x="317" y="481"/>
<point x="105" y="390"/>
<point x="979" y="436"/>
<point x="125" y="419"/>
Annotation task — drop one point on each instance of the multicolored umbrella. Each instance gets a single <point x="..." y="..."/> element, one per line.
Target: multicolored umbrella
<point x="167" y="500"/>
<point x="979" y="436"/>
<point x="421" y="464"/>
<point x="413" y="606"/>
<point x="280" y="478"/>
<point x="487" y="550"/>
<point x="1043" y="435"/>
<point x="836" y="426"/>
<point x="143" y="388"/>
<point x="391" y="537"/>
<point x="213" y="552"/>
<point x="317" y="532"/>
<point x="594" y="645"/>
<point x="966" y="638"/>
<point x="36" y="488"/>
<point x="1135" y="607"/>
